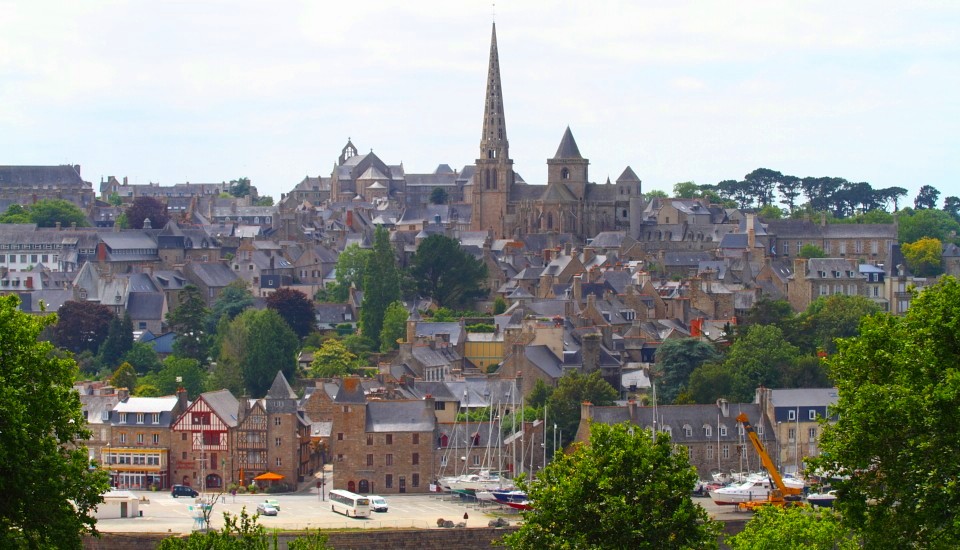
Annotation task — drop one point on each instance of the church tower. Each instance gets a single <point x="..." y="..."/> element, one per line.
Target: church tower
<point x="493" y="177"/>
<point x="568" y="167"/>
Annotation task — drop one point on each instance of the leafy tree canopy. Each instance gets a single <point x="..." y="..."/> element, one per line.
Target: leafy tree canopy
<point x="812" y="251"/>
<point x="296" y="308"/>
<point x="240" y="187"/>
<point x="794" y="527"/>
<point x="656" y="194"/>
<point x="124" y="377"/>
<point x="333" y="359"/>
<point x="439" y="195"/>
<point x="192" y="377"/>
<point x="143" y="208"/>
<point x="143" y="358"/>
<point x="625" y="489"/>
<point x="923" y="257"/>
<point x="381" y="285"/>
<point x="82" y="326"/>
<point x="258" y="344"/>
<point x="676" y="359"/>
<point x="118" y="342"/>
<point x="917" y="224"/>
<point x="351" y="268"/>
<point x="49" y="490"/>
<point x="836" y="316"/>
<point x="233" y="299"/>
<point x="394" y="326"/>
<point x="16" y="213"/>
<point x="187" y="320"/>
<point x="572" y="390"/>
<point x="898" y="423"/>
<point x="444" y="272"/>
<point x="46" y="213"/>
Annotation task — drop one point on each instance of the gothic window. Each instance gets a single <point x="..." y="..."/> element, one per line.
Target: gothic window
<point x="565" y="173"/>
<point x="549" y="220"/>
<point x="486" y="175"/>
<point x="493" y="178"/>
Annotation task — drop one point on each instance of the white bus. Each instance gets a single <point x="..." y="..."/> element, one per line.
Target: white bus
<point x="349" y="504"/>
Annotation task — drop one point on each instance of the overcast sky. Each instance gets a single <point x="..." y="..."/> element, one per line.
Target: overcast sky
<point x="206" y="91"/>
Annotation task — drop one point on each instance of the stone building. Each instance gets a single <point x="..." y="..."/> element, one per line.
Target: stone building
<point x="26" y="185"/>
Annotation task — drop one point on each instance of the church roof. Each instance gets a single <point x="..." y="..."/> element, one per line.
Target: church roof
<point x="557" y="192"/>
<point x="628" y="175"/>
<point x="568" y="147"/>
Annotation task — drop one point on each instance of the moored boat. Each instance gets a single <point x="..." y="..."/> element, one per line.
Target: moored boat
<point x="822" y="499"/>
<point x="504" y="497"/>
<point x="756" y="488"/>
<point x="525" y="505"/>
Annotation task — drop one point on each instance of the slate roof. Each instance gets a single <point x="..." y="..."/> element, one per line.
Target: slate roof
<point x="399" y="416"/>
<point x="608" y="239"/>
<point x="280" y="389"/>
<point x="544" y="359"/>
<point x="568" y="147"/>
<point x="147" y="404"/>
<point x="213" y="274"/>
<point x="64" y="175"/>
<point x="805" y="397"/>
<point x="224" y="404"/>
<point x="145" y="305"/>
<point x="628" y="175"/>
<point x="425" y="329"/>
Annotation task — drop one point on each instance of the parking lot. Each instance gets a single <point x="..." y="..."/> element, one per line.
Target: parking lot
<point x="162" y="513"/>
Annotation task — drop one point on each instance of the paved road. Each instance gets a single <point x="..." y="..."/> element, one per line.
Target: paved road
<point x="164" y="513"/>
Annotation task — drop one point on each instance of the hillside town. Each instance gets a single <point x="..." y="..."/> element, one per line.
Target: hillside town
<point x="163" y="291"/>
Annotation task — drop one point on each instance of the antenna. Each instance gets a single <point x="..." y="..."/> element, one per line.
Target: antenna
<point x="493" y="10"/>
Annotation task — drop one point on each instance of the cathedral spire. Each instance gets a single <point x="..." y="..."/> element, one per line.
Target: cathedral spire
<point x="493" y="142"/>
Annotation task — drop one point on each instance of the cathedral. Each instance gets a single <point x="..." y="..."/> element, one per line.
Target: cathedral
<point x="568" y="203"/>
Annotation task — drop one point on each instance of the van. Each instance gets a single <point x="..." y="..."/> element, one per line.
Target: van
<point x="378" y="503"/>
<point x="183" y="491"/>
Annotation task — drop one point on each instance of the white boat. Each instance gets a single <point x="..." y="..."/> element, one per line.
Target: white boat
<point x="471" y="483"/>
<point x="755" y="488"/>
<point x="822" y="499"/>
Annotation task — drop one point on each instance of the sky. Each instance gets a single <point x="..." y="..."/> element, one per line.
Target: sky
<point x="209" y="91"/>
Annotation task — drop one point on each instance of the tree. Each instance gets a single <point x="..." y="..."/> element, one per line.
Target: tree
<point x="686" y="190"/>
<point x="259" y="343"/>
<point x="761" y="183"/>
<point x="47" y="212"/>
<point x="656" y="194"/>
<point x="812" y="251"/>
<point x="333" y="359"/>
<point x="82" y="326"/>
<point x="233" y="299"/>
<point x="794" y="527"/>
<point x="240" y="187"/>
<point x="351" y="269"/>
<point x="439" y="196"/>
<point x="124" y="377"/>
<point x="892" y="195"/>
<point x="676" y="360"/>
<point x="265" y="200"/>
<point x="241" y="532"/>
<point x="499" y="305"/>
<point x="926" y="198"/>
<point x="16" y="213"/>
<point x="923" y="257"/>
<point x="394" y="326"/>
<point x="118" y="342"/>
<point x="951" y="205"/>
<point x="143" y="208"/>
<point x="789" y="188"/>
<point x="49" y="489"/>
<point x="381" y="285"/>
<point x="444" y="272"/>
<point x="187" y="320"/>
<point x="898" y="423"/>
<point x="296" y="308"/>
<point x="627" y="488"/>
<point x="572" y="390"/>
<point x="142" y="357"/>
<point x="192" y="377"/>
<point x="917" y="224"/>
<point x="836" y="316"/>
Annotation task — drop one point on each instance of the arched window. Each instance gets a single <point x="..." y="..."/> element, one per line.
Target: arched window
<point x="364" y="486"/>
<point x="549" y="220"/>
<point x="565" y="174"/>
<point x="493" y="178"/>
<point x="352" y="486"/>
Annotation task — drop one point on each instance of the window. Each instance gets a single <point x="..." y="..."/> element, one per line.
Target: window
<point x="183" y="436"/>
<point x="709" y="452"/>
<point x="276" y="421"/>
<point x="389" y="439"/>
<point x="156" y="418"/>
<point x="278" y="441"/>
<point x="389" y="459"/>
<point x="123" y="438"/>
<point x="687" y="431"/>
<point x="812" y="434"/>
<point x="340" y="436"/>
<point x="707" y="431"/>
<point x="415" y="459"/>
<point x="791" y="415"/>
<point x="791" y="434"/>
<point x="140" y="418"/>
<point x="140" y="438"/>
<point x="416" y="480"/>
<point x="370" y="459"/>
<point x="476" y="460"/>
<point x="279" y="461"/>
<point x="388" y="481"/>
<point x="725" y="451"/>
<point x="416" y="439"/>
<point x="156" y="439"/>
<point x="723" y="431"/>
<point x="812" y="414"/>
<point x="369" y="440"/>
<point x="690" y="454"/>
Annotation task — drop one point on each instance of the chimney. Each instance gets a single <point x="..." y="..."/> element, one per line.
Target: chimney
<point x="182" y="401"/>
<point x="751" y="233"/>
<point x="147" y="224"/>
<point x="58" y="227"/>
<point x="578" y="287"/>
<point x="589" y="253"/>
<point x="567" y="248"/>
<point x="547" y="256"/>
<point x="124" y="180"/>
<point x="590" y="352"/>
<point x="724" y="406"/>
<point x="632" y="409"/>
<point x="586" y="411"/>
<point x="123" y="394"/>
<point x="73" y="225"/>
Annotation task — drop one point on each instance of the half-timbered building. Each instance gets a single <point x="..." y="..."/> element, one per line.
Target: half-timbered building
<point x="201" y="453"/>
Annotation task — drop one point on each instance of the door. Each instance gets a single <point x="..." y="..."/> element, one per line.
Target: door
<point x="403" y="484"/>
<point x="123" y="509"/>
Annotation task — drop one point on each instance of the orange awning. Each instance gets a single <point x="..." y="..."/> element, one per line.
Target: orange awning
<point x="269" y="476"/>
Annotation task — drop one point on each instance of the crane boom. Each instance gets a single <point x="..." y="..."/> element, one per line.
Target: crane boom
<point x="765" y="458"/>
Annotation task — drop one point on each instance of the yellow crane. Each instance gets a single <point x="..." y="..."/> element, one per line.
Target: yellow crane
<point x="780" y="495"/>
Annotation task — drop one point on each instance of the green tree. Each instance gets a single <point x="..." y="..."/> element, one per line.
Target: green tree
<point x="923" y="257"/>
<point x="439" y="196"/>
<point x="265" y="200"/>
<point x="192" y="377"/>
<point x="124" y="377"/>
<point x="233" y="299"/>
<point x="625" y="489"/>
<point x="686" y="190"/>
<point x="499" y="305"/>
<point x="676" y="359"/>
<point x="656" y="194"/>
<point x="394" y="326"/>
<point x="351" y="269"/>
<point x="16" y="214"/>
<point x="114" y="199"/>
<point x="898" y="424"/>
<point x="144" y="208"/>
<point x="240" y="187"/>
<point x="82" y="326"/>
<point x="381" y="285"/>
<point x="835" y="316"/>
<point x="444" y="272"/>
<point x="49" y="490"/>
<point x="47" y="212"/>
<point x="295" y="308"/>
<point x="187" y="320"/>
<point x="142" y="357"/>
<point x="812" y="251"/>
<point x="926" y="198"/>
<point x="241" y="532"/>
<point x="259" y="343"/>
<point x="564" y="403"/>
<point x="333" y="359"/>
<point x="916" y="224"/>
<point x="794" y="527"/>
<point x="710" y="381"/>
<point x="118" y="342"/>
<point x="540" y="394"/>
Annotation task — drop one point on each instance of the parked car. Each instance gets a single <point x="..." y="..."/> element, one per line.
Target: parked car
<point x="183" y="491"/>
<point x="273" y="502"/>
<point x="265" y="509"/>
<point x="378" y="503"/>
